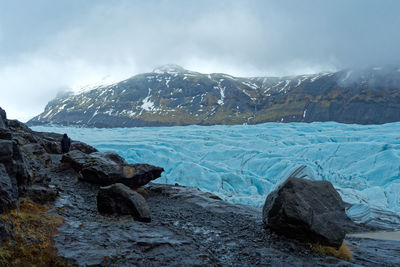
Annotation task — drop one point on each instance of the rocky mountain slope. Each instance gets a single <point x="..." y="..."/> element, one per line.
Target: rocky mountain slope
<point x="171" y="95"/>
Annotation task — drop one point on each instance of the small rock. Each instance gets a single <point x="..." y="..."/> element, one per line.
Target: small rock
<point x="307" y="210"/>
<point x="120" y="199"/>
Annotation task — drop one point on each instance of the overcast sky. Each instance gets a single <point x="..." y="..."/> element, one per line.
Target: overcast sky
<point x="47" y="46"/>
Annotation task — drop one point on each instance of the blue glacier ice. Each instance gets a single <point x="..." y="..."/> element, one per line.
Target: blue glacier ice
<point x="243" y="163"/>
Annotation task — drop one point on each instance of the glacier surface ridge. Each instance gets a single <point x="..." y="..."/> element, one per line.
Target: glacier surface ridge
<point x="244" y="163"/>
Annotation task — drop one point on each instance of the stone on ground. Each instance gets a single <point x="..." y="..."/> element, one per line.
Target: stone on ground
<point x="109" y="168"/>
<point x="306" y="210"/>
<point x="120" y="199"/>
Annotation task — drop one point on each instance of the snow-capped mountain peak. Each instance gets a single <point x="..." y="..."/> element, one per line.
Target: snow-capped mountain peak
<point x="169" y="68"/>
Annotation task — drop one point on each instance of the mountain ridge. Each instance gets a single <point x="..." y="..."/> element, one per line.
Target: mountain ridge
<point x="172" y="95"/>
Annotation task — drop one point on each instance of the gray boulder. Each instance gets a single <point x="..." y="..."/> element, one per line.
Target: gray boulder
<point x="8" y="193"/>
<point x="109" y="168"/>
<point x="120" y="199"/>
<point x="307" y="210"/>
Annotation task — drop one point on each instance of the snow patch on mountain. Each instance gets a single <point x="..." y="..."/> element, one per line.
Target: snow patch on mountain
<point x="147" y="103"/>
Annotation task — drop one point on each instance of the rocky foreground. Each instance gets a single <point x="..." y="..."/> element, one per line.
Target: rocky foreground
<point x="178" y="226"/>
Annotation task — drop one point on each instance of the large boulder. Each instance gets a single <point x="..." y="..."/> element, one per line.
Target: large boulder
<point x="306" y="210"/>
<point x="109" y="168"/>
<point x="8" y="192"/>
<point x="120" y="199"/>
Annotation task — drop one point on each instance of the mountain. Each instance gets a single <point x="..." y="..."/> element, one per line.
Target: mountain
<point x="172" y="95"/>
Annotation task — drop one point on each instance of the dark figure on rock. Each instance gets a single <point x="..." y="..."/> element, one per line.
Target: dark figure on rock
<point x="65" y="144"/>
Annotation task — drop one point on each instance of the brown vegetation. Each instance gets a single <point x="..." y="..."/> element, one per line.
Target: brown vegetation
<point x="33" y="243"/>
<point x="343" y="252"/>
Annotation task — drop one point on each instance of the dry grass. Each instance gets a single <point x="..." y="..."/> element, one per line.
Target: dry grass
<point x="343" y="252"/>
<point x="33" y="243"/>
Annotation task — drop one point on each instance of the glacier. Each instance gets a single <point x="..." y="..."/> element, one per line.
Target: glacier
<point x="244" y="163"/>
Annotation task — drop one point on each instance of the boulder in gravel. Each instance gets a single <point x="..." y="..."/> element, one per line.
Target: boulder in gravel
<point x="120" y="199"/>
<point x="109" y="168"/>
<point x="306" y="210"/>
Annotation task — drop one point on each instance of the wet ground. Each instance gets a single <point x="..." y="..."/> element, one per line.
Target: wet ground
<point x="393" y="236"/>
<point x="188" y="228"/>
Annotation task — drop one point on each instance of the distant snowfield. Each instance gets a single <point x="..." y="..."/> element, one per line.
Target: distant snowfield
<point x="242" y="164"/>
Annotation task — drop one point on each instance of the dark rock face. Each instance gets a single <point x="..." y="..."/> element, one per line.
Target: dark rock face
<point x="3" y="118"/>
<point x="109" y="168"/>
<point x="5" y="134"/>
<point x="8" y="193"/>
<point x="120" y="199"/>
<point x="307" y="210"/>
<point x="15" y="164"/>
<point x="41" y="194"/>
<point x="180" y="97"/>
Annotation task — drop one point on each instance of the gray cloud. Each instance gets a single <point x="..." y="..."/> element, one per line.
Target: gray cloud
<point x="48" y="46"/>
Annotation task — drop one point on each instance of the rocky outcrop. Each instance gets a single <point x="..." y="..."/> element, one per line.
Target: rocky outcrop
<point x="109" y="168"/>
<point x="8" y="193"/>
<point x="25" y="158"/>
<point x="51" y="143"/>
<point x="15" y="164"/>
<point x="120" y="199"/>
<point x="175" y="96"/>
<point x="306" y="210"/>
<point x="2" y="119"/>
